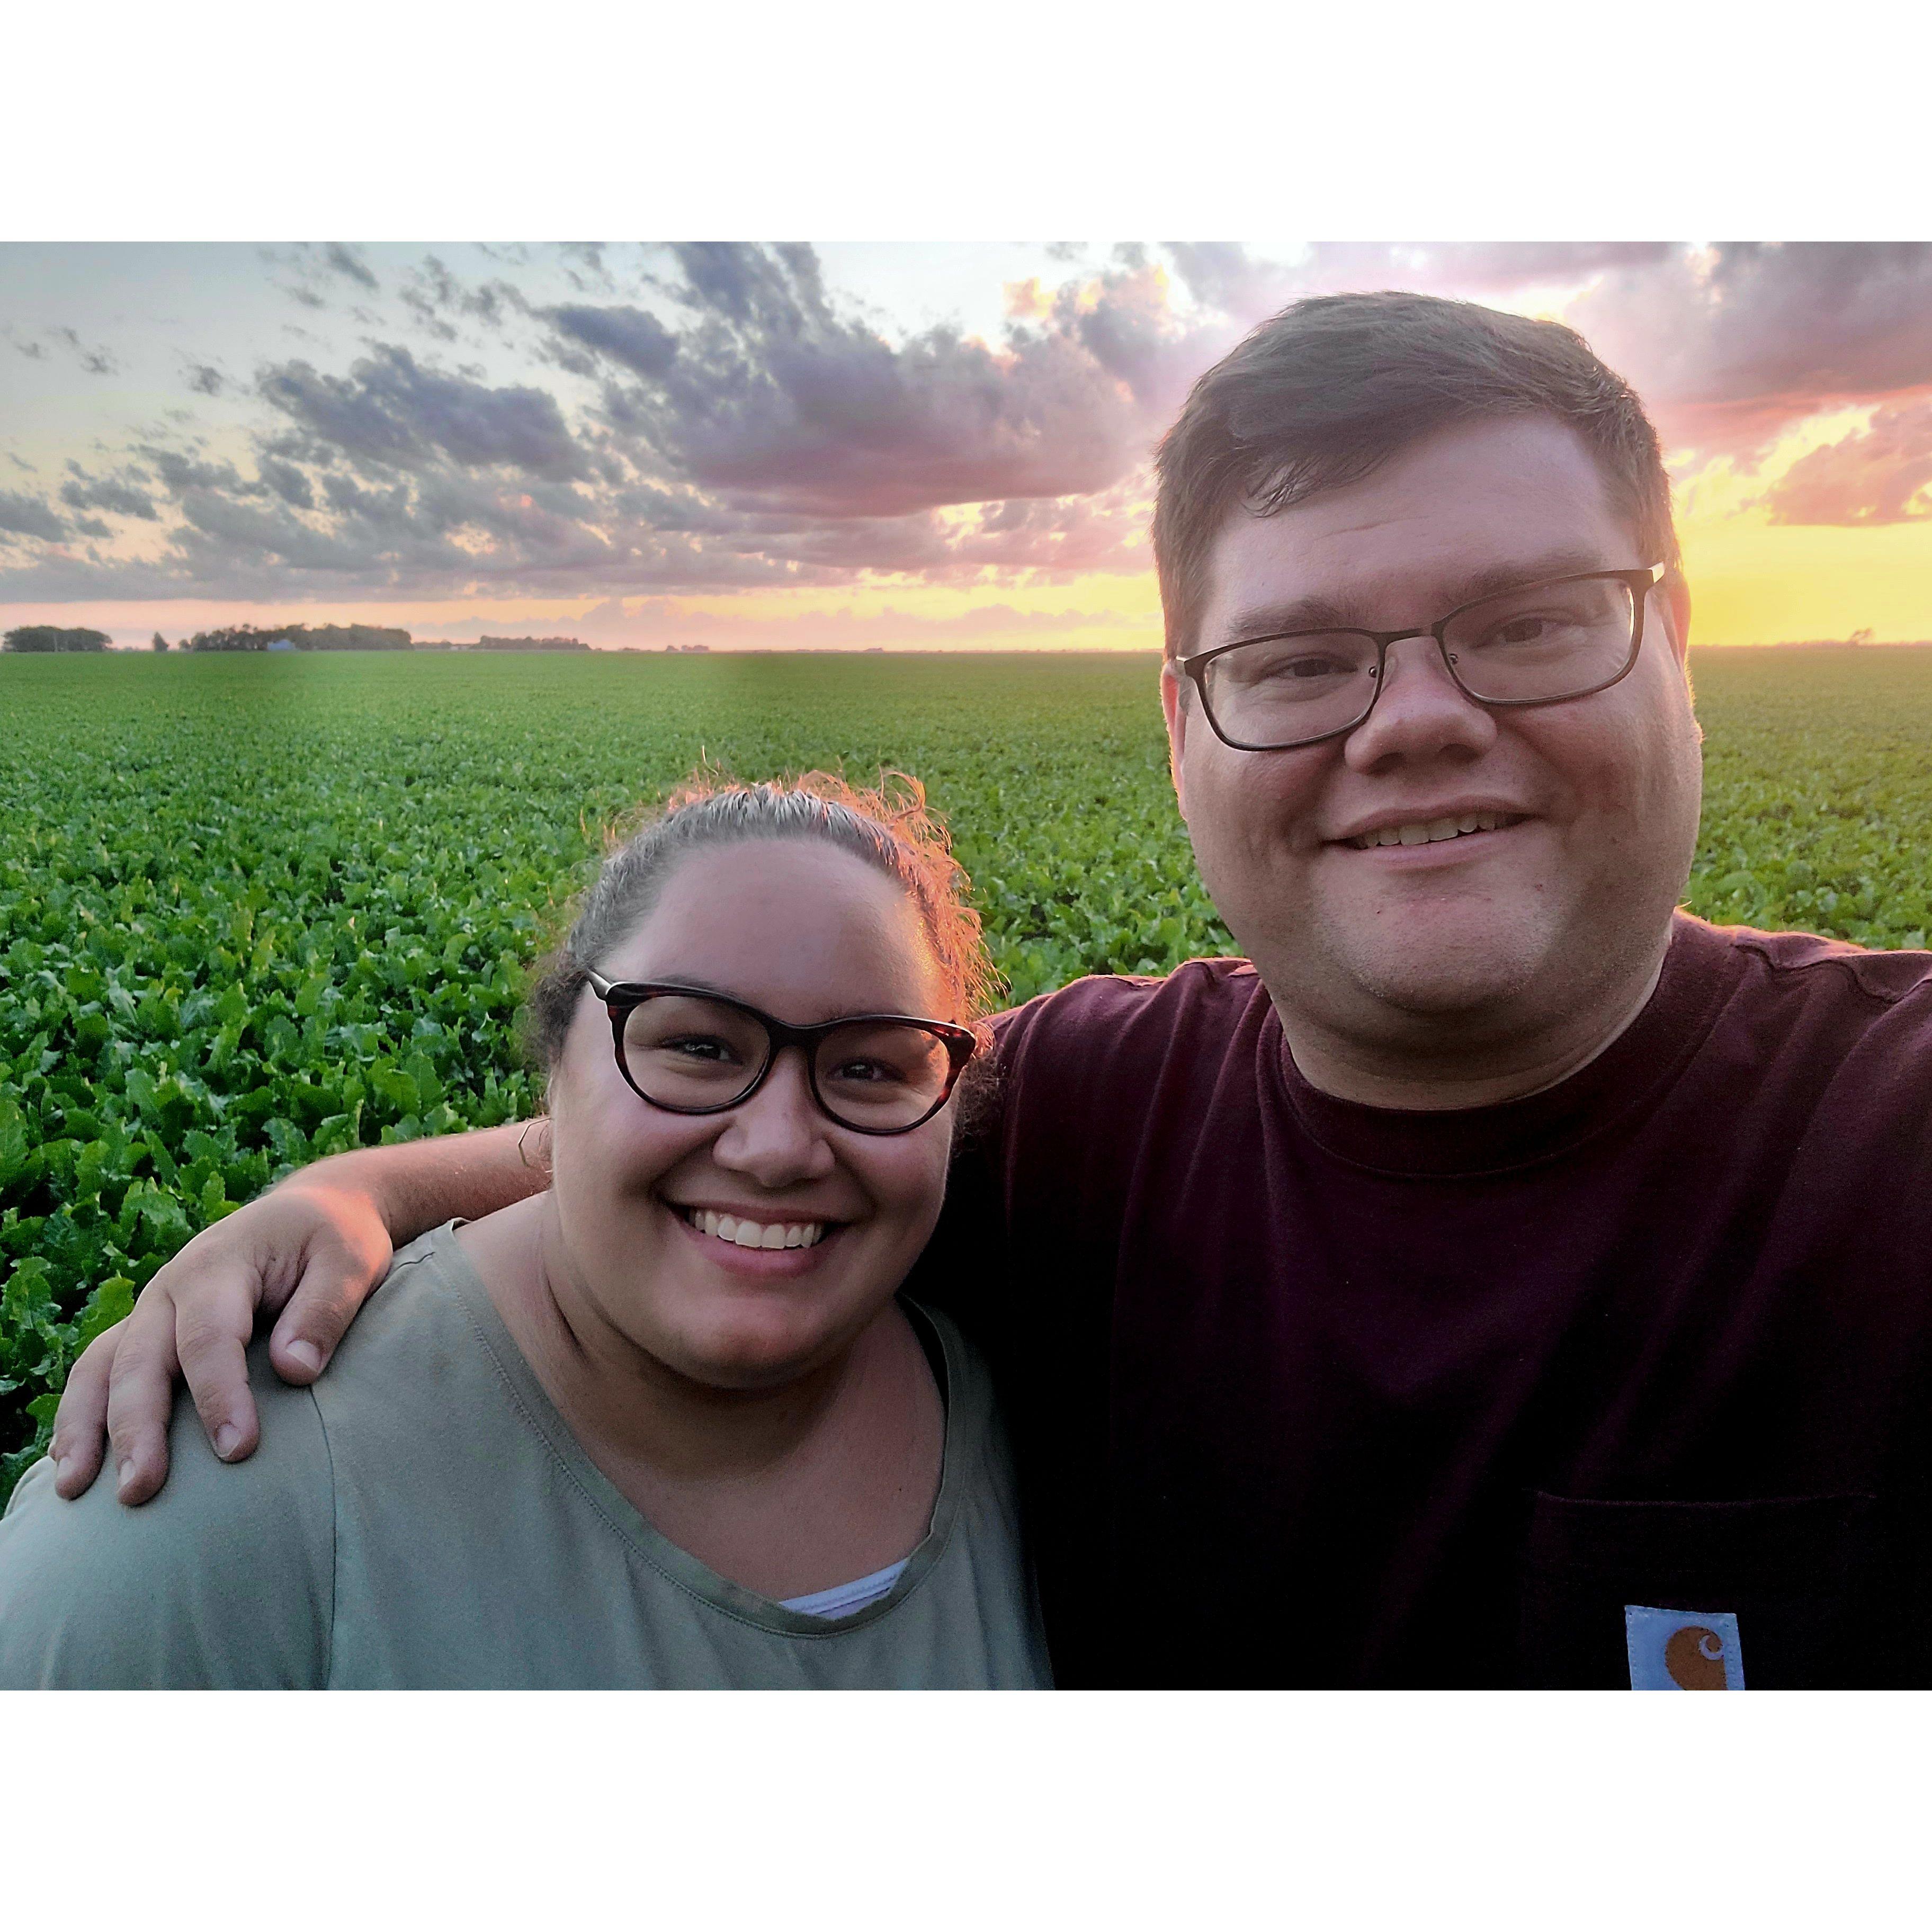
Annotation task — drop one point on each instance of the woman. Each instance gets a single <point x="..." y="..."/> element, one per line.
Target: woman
<point x="685" y="1433"/>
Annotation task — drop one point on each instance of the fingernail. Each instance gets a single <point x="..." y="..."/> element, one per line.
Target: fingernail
<point x="308" y="1353"/>
<point x="61" y="1467"/>
<point x="226" y="1438"/>
<point x="124" y="1475"/>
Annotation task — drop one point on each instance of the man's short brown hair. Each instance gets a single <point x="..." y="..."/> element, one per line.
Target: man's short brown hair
<point x="1322" y="394"/>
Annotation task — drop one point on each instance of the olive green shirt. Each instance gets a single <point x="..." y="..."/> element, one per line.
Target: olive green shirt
<point x="422" y="1516"/>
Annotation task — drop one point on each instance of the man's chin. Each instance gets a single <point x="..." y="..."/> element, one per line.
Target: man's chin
<point x="1438" y="969"/>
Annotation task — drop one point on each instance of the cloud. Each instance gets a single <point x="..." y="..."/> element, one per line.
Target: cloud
<point x="771" y="398"/>
<point x="718" y="418"/>
<point x="1882" y="474"/>
<point x="26" y="516"/>
<point x="119" y="498"/>
<point x="439" y="300"/>
<point x="631" y="338"/>
<point x="97" y="360"/>
<point x="347" y="262"/>
<point x="1731" y="345"/>
<point x="391" y="411"/>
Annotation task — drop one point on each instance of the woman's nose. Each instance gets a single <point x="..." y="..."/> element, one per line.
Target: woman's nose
<point x="778" y="1136"/>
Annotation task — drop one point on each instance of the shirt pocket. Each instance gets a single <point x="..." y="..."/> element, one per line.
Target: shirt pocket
<point x="1798" y="1573"/>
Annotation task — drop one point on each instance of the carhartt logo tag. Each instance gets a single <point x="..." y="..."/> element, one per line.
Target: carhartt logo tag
<point x="1683" y="1650"/>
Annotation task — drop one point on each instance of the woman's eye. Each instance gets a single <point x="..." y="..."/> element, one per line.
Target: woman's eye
<point x="698" y="1048"/>
<point x="866" y="1072"/>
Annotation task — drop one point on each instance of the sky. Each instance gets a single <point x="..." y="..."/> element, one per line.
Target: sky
<point x="905" y="445"/>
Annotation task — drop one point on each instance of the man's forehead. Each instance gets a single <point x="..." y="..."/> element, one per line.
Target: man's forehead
<point x="1475" y="508"/>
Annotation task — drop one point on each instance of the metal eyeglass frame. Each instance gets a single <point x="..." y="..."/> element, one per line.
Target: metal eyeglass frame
<point x="621" y="997"/>
<point x="1641" y="582"/>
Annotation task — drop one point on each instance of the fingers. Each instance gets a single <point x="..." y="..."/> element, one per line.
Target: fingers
<point x="141" y="1396"/>
<point x="212" y="1329"/>
<point x="337" y="1281"/>
<point x="80" y="1422"/>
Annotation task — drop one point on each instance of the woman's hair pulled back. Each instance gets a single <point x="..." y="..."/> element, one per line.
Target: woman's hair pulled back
<point x="888" y="827"/>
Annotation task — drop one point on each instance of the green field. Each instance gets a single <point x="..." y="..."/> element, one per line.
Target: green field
<point x="256" y="910"/>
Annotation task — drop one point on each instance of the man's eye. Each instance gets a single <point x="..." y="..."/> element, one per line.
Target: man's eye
<point x="1519" y="631"/>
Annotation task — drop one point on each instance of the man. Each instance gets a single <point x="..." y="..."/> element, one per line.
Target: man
<point x="1496" y="1278"/>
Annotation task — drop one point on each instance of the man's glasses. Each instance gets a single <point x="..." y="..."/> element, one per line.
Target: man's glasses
<point x="1569" y="637"/>
<point x="691" y="1051"/>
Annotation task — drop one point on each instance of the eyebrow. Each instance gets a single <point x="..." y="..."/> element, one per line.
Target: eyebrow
<point x="689" y="984"/>
<point x="1318" y="612"/>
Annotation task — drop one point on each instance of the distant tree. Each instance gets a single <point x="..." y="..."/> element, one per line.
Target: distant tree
<point x="158" y="643"/>
<point x="1862" y="637"/>
<point x="531" y="644"/>
<point x="52" y="637"/>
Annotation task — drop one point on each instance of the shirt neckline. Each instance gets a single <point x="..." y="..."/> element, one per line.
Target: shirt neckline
<point x="1700" y="970"/>
<point x="676" y="1564"/>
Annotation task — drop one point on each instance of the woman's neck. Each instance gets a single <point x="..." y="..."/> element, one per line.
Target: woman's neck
<point x="785" y="1489"/>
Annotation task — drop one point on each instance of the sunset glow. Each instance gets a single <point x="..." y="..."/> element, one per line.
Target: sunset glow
<point x="905" y="447"/>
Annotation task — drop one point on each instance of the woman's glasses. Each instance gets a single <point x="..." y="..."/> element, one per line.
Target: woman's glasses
<point x="690" y="1051"/>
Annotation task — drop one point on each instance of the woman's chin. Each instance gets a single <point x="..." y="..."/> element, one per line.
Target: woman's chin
<point x="751" y="1350"/>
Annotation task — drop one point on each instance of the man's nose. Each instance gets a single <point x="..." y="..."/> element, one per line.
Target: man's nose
<point x="778" y="1136"/>
<point x="1420" y="712"/>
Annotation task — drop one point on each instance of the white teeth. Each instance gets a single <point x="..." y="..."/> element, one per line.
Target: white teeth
<point x="1429" y="832"/>
<point x="744" y="1234"/>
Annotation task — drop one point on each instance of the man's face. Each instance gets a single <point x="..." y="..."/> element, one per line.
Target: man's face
<point x="1497" y="929"/>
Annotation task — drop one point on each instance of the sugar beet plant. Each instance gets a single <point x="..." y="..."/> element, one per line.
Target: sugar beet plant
<point x="254" y="910"/>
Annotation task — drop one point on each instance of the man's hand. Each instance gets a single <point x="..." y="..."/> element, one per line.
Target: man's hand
<point x="310" y="1250"/>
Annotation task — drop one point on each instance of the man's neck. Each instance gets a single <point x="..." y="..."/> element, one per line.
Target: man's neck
<point x="1439" y="1075"/>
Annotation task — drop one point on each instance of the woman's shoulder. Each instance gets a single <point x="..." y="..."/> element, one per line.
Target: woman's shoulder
<point x="224" y="1579"/>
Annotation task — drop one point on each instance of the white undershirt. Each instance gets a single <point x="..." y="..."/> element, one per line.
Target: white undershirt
<point x="843" y="1599"/>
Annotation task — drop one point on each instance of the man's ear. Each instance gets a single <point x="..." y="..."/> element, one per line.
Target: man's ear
<point x="1174" y="708"/>
<point x="1677" y="606"/>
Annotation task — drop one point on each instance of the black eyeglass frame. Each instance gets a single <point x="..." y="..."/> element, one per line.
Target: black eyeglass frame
<point x="1641" y="582"/>
<point x="622" y="998"/>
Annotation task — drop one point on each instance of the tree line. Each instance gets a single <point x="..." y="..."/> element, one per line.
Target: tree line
<point x="300" y="637"/>
<point x="52" y="638"/>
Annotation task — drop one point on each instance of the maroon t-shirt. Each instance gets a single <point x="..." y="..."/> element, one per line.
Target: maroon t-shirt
<point x="1311" y="1392"/>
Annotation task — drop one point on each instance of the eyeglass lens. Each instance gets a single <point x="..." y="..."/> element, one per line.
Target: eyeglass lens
<point x="683" y="1051"/>
<point x="1546" y="642"/>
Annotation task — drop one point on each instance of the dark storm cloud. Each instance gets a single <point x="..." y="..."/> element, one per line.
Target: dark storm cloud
<point x="25" y="516"/>
<point x="391" y="411"/>
<point x="1882" y="474"/>
<point x="116" y="495"/>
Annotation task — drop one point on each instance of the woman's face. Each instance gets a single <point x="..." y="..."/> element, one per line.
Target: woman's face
<point x="804" y="932"/>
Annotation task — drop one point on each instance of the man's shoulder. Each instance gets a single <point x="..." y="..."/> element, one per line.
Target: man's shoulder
<point x="1817" y="1000"/>
<point x="1808" y="966"/>
<point x="1114" y="1012"/>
